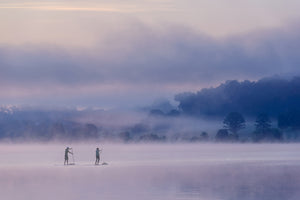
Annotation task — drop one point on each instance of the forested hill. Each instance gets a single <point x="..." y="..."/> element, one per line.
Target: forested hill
<point x="273" y="96"/>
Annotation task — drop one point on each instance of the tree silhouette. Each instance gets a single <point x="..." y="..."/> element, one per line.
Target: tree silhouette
<point x="204" y="136"/>
<point x="222" y="135"/>
<point x="262" y="122"/>
<point x="234" y="122"/>
<point x="263" y="130"/>
<point x="262" y="127"/>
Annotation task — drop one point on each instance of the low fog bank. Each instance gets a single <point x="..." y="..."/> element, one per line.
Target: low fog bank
<point x="145" y="125"/>
<point x="152" y="171"/>
<point x="19" y="124"/>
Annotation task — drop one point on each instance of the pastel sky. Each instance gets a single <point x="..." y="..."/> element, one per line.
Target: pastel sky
<point x="125" y="53"/>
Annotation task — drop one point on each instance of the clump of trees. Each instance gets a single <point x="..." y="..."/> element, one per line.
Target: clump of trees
<point x="222" y="135"/>
<point x="234" y="122"/>
<point x="289" y="122"/>
<point x="263" y="130"/>
<point x="203" y="137"/>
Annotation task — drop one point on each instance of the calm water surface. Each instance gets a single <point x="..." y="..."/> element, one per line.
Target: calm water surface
<point x="164" y="171"/>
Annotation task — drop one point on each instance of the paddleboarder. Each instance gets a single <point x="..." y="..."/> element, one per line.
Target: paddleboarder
<point x="97" y="156"/>
<point x="67" y="151"/>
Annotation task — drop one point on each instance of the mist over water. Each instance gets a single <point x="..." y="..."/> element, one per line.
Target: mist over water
<point x="152" y="171"/>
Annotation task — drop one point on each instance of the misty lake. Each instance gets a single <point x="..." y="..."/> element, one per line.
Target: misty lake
<point x="151" y="171"/>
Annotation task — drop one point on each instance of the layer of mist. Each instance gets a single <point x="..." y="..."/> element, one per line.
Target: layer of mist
<point x="197" y="118"/>
<point x="32" y="124"/>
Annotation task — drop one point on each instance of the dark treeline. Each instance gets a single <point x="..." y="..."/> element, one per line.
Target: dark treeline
<point x="274" y="96"/>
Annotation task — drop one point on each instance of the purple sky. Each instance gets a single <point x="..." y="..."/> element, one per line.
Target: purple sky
<point x="129" y="53"/>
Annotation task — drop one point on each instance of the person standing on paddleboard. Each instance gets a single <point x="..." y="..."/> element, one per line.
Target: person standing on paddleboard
<point x="97" y="156"/>
<point x="67" y="155"/>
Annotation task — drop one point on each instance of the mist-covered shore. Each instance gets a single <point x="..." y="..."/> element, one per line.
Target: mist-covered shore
<point x="266" y="110"/>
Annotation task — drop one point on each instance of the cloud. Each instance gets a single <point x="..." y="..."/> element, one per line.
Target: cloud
<point x="138" y="57"/>
<point x="90" y="6"/>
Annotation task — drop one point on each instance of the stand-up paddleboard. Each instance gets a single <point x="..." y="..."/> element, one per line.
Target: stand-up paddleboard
<point x="104" y="163"/>
<point x="81" y="164"/>
<point x="62" y="165"/>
